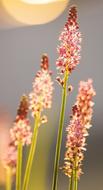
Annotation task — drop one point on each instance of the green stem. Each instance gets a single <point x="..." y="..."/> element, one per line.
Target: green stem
<point x="75" y="180"/>
<point x="75" y="177"/>
<point x="31" y="155"/>
<point x="8" y="178"/>
<point x="60" y="131"/>
<point x="19" y="166"/>
<point x="71" y="182"/>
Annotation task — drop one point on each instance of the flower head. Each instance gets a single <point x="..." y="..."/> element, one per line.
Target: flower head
<point x="78" y="129"/>
<point x="21" y="130"/>
<point x="7" y="150"/>
<point x="70" y="44"/>
<point x="23" y="107"/>
<point x="10" y="159"/>
<point x="84" y="101"/>
<point x="41" y="96"/>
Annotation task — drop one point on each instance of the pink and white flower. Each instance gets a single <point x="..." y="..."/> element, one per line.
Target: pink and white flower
<point x="41" y="96"/>
<point x="21" y="130"/>
<point x="78" y="129"/>
<point x="70" y="44"/>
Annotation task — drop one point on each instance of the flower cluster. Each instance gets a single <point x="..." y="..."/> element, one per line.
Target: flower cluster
<point x="10" y="158"/>
<point x="78" y="129"/>
<point x="21" y="130"/>
<point x="84" y="102"/>
<point x="8" y="152"/>
<point x="41" y="96"/>
<point x="70" y="46"/>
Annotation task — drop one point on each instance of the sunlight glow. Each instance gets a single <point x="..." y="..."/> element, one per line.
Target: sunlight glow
<point x="38" y="1"/>
<point x="33" y="12"/>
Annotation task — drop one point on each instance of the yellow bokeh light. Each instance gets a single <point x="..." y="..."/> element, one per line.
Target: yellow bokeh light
<point x="38" y="1"/>
<point x="34" y="12"/>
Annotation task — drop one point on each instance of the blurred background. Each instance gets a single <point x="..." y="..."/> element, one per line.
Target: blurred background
<point x="21" y="48"/>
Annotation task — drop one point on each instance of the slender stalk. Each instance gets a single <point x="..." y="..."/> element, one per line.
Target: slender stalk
<point x="75" y="177"/>
<point x="8" y="178"/>
<point x="31" y="155"/>
<point x="60" y="131"/>
<point x="71" y="182"/>
<point x="19" y="166"/>
<point x="75" y="181"/>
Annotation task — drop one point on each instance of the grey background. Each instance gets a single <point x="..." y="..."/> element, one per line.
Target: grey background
<point x="20" y="52"/>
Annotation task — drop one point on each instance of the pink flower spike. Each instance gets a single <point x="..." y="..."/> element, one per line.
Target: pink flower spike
<point x="78" y="129"/>
<point x="41" y="96"/>
<point x="10" y="159"/>
<point x="70" y="44"/>
<point x="21" y="130"/>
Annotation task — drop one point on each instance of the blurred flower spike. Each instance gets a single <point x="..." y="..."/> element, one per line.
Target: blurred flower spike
<point x="10" y="159"/>
<point x="21" y="130"/>
<point x="41" y="96"/>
